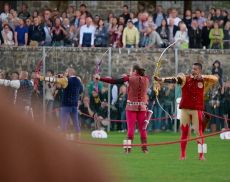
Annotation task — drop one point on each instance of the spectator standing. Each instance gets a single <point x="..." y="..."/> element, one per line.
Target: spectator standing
<point x="218" y="18"/>
<point x="101" y="35"/>
<point x="15" y="18"/>
<point x="216" y="69"/>
<point x="138" y="21"/>
<point x="142" y="23"/>
<point x="66" y="26"/>
<point x="113" y="26"/>
<point x="214" y="104"/>
<point x="188" y="18"/>
<point x="47" y="15"/>
<point x="225" y="16"/>
<point x="70" y="12"/>
<point x="13" y="92"/>
<point x="21" y="33"/>
<point x="172" y="30"/>
<point x="200" y="20"/>
<point x="212" y="13"/>
<point x="63" y="16"/>
<point x="4" y="15"/>
<point x="205" y="33"/>
<point x="114" y="94"/>
<point x="121" y="23"/>
<point x="24" y="14"/>
<point x="155" y="126"/>
<point x="130" y="37"/>
<point x="125" y="14"/>
<point x="75" y="32"/>
<point x="159" y="16"/>
<point x="76" y="19"/>
<point x="96" y="20"/>
<point x="225" y="92"/>
<point x="109" y="19"/>
<point x="173" y="15"/>
<point x="120" y="104"/>
<point x="151" y="38"/>
<point x="163" y="31"/>
<point x="84" y="11"/>
<point x="35" y="13"/>
<point x="195" y="35"/>
<point x="49" y="96"/>
<point x="24" y="88"/>
<point x="28" y="22"/>
<point x="7" y="35"/>
<point x="216" y="36"/>
<point x="168" y="103"/>
<point x="134" y="19"/>
<point x="58" y="96"/>
<point x="36" y="33"/>
<point x="48" y="34"/>
<point x="87" y="34"/>
<point x="182" y="36"/>
<point x="227" y="35"/>
<point x="59" y="33"/>
<point x="11" y="22"/>
<point x="150" y="21"/>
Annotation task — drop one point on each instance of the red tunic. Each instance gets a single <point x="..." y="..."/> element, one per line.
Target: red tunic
<point x="192" y="94"/>
<point x="137" y="91"/>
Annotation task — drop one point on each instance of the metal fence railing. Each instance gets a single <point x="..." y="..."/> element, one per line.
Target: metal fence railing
<point x="115" y="62"/>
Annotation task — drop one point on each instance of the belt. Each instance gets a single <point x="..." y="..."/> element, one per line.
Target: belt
<point x="136" y="103"/>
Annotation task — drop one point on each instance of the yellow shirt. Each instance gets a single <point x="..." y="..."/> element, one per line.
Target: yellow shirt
<point x="130" y="36"/>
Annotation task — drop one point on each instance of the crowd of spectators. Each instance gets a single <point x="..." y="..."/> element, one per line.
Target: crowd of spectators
<point x="94" y="100"/>
<point x="79" y="28"/>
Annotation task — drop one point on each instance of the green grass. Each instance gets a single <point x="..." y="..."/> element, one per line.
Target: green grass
<point x="162" y="163"/>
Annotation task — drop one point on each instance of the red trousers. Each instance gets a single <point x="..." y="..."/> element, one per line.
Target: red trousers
<point x="132" y="117"/>
<point x="195" y="116"/>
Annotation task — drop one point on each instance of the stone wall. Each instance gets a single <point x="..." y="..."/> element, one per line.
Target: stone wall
<point x="104" y="7"/>
<point x="84" y="60"/>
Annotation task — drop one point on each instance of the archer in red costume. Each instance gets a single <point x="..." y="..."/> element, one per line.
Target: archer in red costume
<point x="193" y="88"/>
<point x="136" y="107"/>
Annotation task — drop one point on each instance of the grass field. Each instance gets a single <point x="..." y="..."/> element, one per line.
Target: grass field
<point x="162" y="163"/>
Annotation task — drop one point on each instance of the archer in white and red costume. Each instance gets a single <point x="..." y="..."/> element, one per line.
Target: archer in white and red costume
<point x="136" y="107"/>
<point x="193" y="88"/>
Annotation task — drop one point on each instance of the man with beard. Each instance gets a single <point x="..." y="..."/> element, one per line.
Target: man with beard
<point x="193" y="88"/>
<point x="24" y="88"/>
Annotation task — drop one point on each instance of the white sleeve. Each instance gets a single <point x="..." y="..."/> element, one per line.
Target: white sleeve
<point x="81" y="34"/>
<point x="32" y="82"/>
<point x="14" y="83"/>
<point x="114" y="94"/>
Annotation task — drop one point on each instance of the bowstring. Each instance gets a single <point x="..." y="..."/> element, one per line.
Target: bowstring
<point x="156" y="73"/>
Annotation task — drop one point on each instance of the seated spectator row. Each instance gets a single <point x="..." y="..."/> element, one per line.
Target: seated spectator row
<point x="80" y="28"/>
